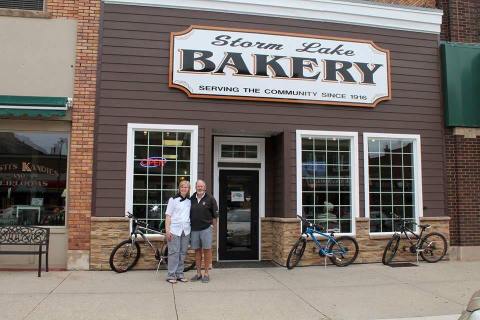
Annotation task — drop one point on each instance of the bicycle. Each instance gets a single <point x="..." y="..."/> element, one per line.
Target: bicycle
<point x="432" y="247"/>
<point x="342" y="251"/>
<point x="125" y="255"/>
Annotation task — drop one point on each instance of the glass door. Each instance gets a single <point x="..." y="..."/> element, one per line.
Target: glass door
<point x="238" y="216"/>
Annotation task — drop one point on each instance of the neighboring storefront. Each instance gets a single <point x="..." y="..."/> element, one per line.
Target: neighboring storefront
<point x="47" y="101"/>
<point x="334" y="112"/>
<point x="460" y="53"/>
<point x="35" y="125"/>
<point x="461" y="79"/>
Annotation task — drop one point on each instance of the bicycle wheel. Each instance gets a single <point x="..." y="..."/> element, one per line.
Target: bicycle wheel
<point x="124" y="256"/>
<point x="189" y="263"/>
<point x="344" y="251"/>
<point x="433" y="247"/>
<point x="296" y="253"/>
<point x="390" y="250"/>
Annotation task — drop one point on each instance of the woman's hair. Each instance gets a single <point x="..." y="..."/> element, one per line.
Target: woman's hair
<point x="179" y="195"/>
<point x="184" y="182"/>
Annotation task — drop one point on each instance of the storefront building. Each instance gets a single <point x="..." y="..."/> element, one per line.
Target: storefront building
<point x="46" y="125"/>
<point x="333" y="112"/>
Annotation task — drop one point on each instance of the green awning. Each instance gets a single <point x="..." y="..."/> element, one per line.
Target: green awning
<point x="461" y="84"/>
<point x="28" y="106"/>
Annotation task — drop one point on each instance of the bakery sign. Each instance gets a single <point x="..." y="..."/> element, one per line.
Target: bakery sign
<point x="210" y="62"/>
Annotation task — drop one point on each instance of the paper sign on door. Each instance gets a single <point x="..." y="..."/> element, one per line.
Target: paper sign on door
<point x="238" y="196"/>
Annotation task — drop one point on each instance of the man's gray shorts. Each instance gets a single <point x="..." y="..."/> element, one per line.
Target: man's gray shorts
<point x="201" y="239"/>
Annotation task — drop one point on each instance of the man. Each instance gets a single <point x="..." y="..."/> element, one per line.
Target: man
<point x="203" y="218"/>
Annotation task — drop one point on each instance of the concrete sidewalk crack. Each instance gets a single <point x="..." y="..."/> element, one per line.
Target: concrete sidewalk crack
<point x="297" y="295"/>
<point x="174" y="302"/>
<point x="44" y="298"/>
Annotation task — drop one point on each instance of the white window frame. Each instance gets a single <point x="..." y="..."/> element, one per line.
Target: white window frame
<point x="132" y="127"/>
<point x="417" y="162"/>
<point x="355" y="212"/>
<point x="260" y="143"/>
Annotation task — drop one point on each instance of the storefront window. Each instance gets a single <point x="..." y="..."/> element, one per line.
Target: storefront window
<point x="327" y="180"/>
<point x="33" y="177"/>
<point x="391" y="181"/>
<point x="161" y="160"/>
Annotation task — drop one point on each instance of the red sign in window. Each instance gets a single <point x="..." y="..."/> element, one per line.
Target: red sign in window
<point x="153" y="162"/>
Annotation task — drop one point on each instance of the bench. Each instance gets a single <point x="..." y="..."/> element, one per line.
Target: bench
<point x="26" y="236"/>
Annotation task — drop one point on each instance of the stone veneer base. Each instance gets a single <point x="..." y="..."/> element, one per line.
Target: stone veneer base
<point x="277" y="237"/>
<point x="107" y="232"/>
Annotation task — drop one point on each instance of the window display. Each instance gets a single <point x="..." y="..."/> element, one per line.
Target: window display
<point x="33" y="177"/>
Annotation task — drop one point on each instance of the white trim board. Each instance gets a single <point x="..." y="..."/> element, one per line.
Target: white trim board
<point x="362" y="13"/>
<point x="33" y="107"/>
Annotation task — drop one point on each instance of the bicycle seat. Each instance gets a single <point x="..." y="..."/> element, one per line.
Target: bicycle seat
<point x="424" y="226"/>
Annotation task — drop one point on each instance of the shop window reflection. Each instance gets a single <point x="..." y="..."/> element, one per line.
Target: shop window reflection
<point x="33" y="170"/>
<point x="326" y="181"/>
<point x="391" y="182"/>
<point x="164" y="161"/>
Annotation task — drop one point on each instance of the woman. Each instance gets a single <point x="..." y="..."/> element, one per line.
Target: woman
<point x="177" y="226"/>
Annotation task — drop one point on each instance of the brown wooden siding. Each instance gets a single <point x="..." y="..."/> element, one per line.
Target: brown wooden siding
<point x="134" y="88"/>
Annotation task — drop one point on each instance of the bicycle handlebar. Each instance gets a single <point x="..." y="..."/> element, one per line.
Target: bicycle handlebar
<point x="309" y="224"/>
<point x="397" y="218"/>
<point x="142" y="224"/>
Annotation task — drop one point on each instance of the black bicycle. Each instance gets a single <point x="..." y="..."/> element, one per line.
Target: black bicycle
<point x="432" y="247"/>
<point x="125" y="255"/>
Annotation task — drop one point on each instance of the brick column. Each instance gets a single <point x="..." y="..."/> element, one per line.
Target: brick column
<point x="87" y="15"/>
<point x="460" y="21"/>
<point x="463" y="174"/>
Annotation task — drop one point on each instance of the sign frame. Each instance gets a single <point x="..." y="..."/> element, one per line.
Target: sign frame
<point x="266" y="99"/>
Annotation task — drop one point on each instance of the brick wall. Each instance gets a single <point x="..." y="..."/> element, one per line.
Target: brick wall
<point x="461" y="20"/>
<point x="412" y="3"/>
<point x="87" y="15"/>
<point x="463" y="188"/>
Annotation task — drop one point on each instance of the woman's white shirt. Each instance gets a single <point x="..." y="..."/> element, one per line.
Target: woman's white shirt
<point x="179" y="212"/>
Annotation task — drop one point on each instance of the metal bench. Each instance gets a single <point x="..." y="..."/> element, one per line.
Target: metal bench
<point x="26" y="236"/>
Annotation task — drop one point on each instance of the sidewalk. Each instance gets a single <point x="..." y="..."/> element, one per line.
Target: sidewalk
<point x="368" y="291"/>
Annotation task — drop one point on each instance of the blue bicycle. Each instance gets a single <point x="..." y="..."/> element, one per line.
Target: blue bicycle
<point x="342" y="251"/>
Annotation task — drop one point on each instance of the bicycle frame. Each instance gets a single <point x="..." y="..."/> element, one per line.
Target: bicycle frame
<point x="404" y="228"/>
<point x="322" y="249"/>
<point x="139" y="228"/>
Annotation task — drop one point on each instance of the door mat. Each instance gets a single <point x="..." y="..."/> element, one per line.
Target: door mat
<point x="244" y="264"/>
<point x="402" y="265"/>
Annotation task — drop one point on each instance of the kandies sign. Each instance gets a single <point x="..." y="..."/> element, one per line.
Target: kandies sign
<point x="210" y="62"/>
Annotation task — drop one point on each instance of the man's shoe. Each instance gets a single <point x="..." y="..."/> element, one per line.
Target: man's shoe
<point x="205" y="278"/>
<point x="196" y="277"/>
